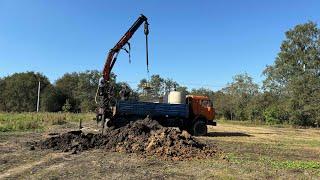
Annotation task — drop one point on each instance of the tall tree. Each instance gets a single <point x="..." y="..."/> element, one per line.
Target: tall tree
<point x="203" y="92"/>
<point x="158" y="87"/>
<point x="2" y="103"/>
<point x="169" y="85"/>
<point x="79" y="89"/>
<point x="182" y="89"/>
<point x="295" y="74"/>
<point x="52" y="99"/>
<point x="86" y="90"/>
<point x="241" y="92"/>
<point x="19" y="91"/>
<point x="157" y="84"/>
<point x="222" y="103"/>
<point x="68" y="85"/>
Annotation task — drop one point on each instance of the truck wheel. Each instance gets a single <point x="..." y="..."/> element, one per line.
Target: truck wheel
<point x="199" y="128"/>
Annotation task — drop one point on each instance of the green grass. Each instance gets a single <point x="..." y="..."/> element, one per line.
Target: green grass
<point x="274" y="163"/>
<point x="38" y="121"/>
<point x="296" y="165"/>
<point x="253" y="123"/>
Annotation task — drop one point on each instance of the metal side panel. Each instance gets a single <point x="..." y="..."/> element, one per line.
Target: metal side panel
<point x="153" y="109"/>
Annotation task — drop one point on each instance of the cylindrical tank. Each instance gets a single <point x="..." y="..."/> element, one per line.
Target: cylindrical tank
<point x="176" y="97"/>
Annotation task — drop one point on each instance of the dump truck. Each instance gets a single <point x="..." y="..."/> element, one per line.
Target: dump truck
<point x="192" y="113"/>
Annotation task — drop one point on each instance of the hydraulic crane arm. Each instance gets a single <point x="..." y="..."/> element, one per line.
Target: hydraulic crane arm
<point x="113" y="53"/>
<point x="105" y="88"/>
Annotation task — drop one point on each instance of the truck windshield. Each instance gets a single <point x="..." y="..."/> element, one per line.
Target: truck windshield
<point x="206" y="103"/>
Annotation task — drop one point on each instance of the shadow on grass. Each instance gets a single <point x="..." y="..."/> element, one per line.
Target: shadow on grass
<point x="227" y="134"/>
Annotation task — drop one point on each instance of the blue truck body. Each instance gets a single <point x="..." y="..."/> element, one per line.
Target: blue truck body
<point x="157" y="110"/>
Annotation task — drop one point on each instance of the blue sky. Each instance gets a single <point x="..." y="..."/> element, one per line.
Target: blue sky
<point x="198" y="43"/>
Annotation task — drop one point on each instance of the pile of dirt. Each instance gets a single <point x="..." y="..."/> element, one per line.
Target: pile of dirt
<point x="145" y="137"/>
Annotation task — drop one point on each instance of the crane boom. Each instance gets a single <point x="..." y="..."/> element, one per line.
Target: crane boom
<point x="105" y="88"/>
<point x="113" y="53"/>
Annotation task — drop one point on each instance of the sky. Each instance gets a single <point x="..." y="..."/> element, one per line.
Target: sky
<point x="197" y="43"/>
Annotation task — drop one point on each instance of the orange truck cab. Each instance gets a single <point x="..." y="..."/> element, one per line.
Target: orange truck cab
<point x="201" y="107"/>
<point x="201" y="114"/>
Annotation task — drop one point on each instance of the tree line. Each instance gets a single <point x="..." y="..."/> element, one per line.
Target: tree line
<point x="290" y="92"/>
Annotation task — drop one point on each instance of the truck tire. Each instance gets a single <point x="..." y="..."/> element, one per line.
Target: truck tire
<point x="199" y="128"/>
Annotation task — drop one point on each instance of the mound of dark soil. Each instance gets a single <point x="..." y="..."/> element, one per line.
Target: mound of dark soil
<point x="145" y="137"/>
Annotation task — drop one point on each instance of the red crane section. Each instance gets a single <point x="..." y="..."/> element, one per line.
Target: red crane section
<point x="113" y="53"/>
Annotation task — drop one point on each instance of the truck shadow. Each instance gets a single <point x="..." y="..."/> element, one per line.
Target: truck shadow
<point x="227" y="134"/>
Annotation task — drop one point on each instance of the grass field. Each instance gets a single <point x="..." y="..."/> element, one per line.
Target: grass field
<point x="249" y="152"/>
<point x="38" y="121"/>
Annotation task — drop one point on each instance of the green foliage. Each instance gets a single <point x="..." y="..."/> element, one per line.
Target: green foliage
<point x="182" y="89"/>
<point x="2" y="101"/>
<point x="51" y="99"/>
<point x="241" y="93"/>
<point x="222" y="105"/>
<point x="38" y="121"/>
<point x="79" y="89"/>
<point x="158" y="88"/>
<point x="272" y="115"/>
<point x="202" y="92"/>
<point x="157" y="84"/>
<point x="19" y="91"/>
<point x="295" y="74"/>
<point x="67" y="106"/>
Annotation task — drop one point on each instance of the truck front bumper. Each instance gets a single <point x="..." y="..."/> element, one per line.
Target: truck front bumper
<point x="212" y="123"/>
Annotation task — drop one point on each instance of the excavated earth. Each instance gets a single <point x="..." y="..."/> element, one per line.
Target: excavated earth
<point x="144" y="137"/>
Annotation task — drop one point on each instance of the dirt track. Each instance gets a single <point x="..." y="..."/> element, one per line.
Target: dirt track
<point x="261" y="152"/>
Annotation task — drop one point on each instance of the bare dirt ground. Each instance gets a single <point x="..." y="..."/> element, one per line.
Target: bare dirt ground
<point x="248" y="153"/>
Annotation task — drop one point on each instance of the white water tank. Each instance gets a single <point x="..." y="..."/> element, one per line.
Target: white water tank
<point x="176" y="97"/>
